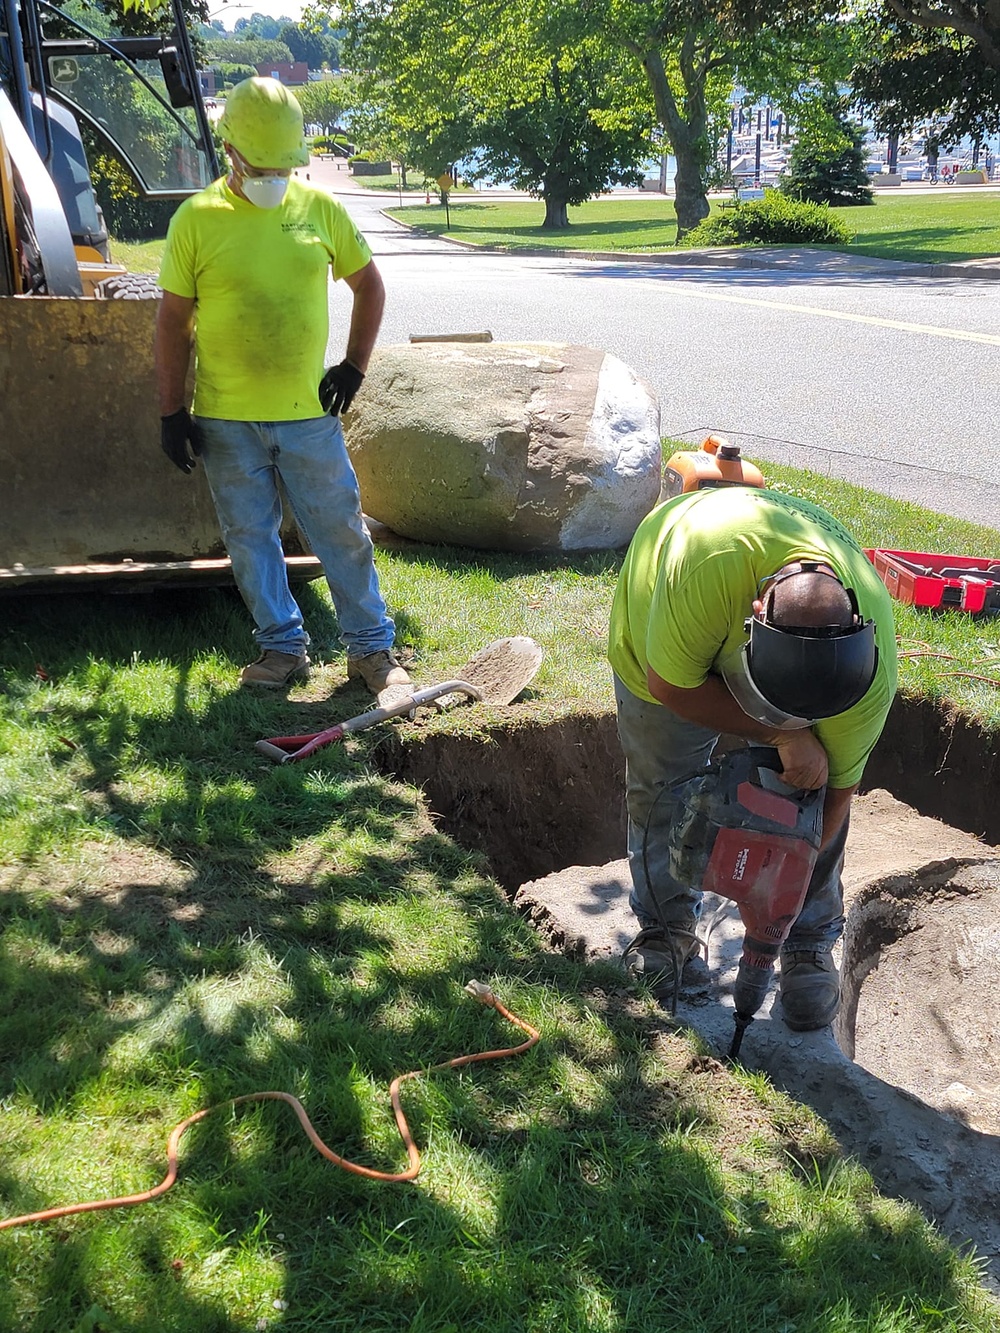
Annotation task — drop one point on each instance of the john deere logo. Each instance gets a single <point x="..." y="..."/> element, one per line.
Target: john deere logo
<point x="63" y="70"/>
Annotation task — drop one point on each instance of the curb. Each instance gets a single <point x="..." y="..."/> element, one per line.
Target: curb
<point x="749" y="258"/>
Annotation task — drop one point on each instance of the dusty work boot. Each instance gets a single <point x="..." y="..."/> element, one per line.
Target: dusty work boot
<point x="378" y="670"/>
<point x="658" y="956"/>
<point x="809" y="985"/>
<point x="274" y="670"/>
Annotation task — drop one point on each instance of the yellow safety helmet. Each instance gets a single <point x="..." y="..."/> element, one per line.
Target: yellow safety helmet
<point x="263" y="122"/>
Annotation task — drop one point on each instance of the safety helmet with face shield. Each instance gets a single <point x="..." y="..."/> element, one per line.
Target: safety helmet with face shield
<point x="789" y="677"/>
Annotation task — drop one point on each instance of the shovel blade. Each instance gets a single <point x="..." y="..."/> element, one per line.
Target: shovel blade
<point x="501" y="670"/>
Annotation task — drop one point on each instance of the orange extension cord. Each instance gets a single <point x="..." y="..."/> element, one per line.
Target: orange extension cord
<point x="477" y="989"/>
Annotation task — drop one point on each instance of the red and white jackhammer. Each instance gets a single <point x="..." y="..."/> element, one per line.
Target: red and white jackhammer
<point x="740" y="833"/>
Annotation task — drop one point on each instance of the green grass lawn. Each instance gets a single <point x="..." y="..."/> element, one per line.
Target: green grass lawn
<point x="138" y="256"/>
<point x="415" y="186"/>
<point x="182" y="922"/>
<point x="613" y="224"/>
<point x="931" y="227"/>
<point x="388" y="182"/>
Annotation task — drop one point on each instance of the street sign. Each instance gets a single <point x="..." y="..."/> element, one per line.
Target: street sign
<point x="445" y="182"/>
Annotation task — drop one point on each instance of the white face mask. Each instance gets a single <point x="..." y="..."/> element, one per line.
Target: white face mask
<point x="264" y="191"/>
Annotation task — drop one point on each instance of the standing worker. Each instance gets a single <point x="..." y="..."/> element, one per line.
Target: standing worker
<point x="754" y="613"/>
<point x="245" y="275"/>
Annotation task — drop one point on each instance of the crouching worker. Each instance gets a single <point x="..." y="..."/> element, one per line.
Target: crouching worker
<point x="757" y="614"/>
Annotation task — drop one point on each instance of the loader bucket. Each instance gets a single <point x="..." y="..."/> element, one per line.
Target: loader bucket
<point x="88" y="497"/>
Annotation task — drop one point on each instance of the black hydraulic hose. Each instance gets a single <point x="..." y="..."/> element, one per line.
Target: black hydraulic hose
<point x="22" y="90"/>
<point x="35" y="51"/>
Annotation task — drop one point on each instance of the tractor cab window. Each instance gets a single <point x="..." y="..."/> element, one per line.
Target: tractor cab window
<point x="133" y="91"/>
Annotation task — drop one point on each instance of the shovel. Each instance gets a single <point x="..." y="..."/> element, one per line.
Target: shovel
<point x="495" y="675"/>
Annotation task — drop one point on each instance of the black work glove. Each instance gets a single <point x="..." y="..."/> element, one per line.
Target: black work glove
<point x="177" y="431"/>
<point x="338" y="387"/>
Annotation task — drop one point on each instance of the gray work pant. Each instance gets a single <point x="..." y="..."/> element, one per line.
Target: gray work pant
<point x="661" y="749"/>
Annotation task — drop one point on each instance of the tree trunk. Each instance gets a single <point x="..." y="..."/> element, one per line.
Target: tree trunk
<point x="556" y="214"/>
<point x="690" y="198"/>
<point x="687" y="132"/>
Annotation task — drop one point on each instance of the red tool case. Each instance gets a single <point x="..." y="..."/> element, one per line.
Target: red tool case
<point x="941" y="582"/>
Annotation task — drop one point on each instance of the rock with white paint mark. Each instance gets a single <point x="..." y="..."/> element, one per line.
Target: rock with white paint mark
<point x="506" y="446"/>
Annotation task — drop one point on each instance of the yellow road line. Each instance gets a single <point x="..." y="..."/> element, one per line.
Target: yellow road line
<point x="933" y="330"/>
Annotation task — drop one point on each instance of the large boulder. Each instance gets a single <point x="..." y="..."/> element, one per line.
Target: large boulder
<point x="506" y="446"/>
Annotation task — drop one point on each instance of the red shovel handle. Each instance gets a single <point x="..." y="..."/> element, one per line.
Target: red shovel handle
<point x="286" y="749"/>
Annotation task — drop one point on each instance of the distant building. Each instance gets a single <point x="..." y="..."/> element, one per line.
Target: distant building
<point x="290" y="73"/>
<point x="206" y="77"/>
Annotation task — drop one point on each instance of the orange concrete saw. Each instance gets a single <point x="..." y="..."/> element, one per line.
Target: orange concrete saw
<point x="495" y="675"/>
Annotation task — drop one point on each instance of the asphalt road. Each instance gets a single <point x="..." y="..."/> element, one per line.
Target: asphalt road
<point x="882" y="379"/>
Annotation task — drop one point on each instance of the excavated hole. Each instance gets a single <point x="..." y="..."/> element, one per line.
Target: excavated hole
<point x="919" y="990"/>
<point x="919" y="954"/>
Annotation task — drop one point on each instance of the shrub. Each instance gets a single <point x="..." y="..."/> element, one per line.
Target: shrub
<point x="228" y="75"/>
<point x="333" y="143"/>
<point x="773" y="220"/>
<point x="127" y="215"/>
<point x="831" y="169"/>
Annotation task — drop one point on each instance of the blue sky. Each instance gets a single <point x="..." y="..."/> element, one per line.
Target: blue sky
<point x="229" y="13"/>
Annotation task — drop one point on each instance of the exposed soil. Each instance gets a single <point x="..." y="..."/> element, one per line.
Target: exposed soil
<point x="936" y="976"/>
<point x="920" y="1013"/>
<point x="536" y="796"/>
<point x="533" y="797"/>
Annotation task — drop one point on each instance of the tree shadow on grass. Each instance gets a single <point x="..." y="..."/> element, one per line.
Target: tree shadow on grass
<point x="924" y="244"/>
<point x="235" y="927"/>
<point x="603" y="1196"/>
<point x="499" y="565"/>
<point x="475" y="221"/>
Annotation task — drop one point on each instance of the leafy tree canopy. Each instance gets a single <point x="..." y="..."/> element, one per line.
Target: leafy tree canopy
<point x="976" y="20"/>
<point x="503" y="85"/>
<point x="253" y="51"/>
<point x="831" y="171"/>
<point x="911" y="74"/>
<point x="322" y="103"/>
<point x="259" y="25"/>
<point x="690" y="54"/>
<point x="308" y="43"/>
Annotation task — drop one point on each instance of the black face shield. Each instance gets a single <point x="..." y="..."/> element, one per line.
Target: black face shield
<point x="792" y="677"/>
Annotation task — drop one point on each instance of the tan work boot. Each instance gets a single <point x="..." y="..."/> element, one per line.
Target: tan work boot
<point x="378" y="670"/>
<point x="274" y="670"/>
<point x="809" y="985"/>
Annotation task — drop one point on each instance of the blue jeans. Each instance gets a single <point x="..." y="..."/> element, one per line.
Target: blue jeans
<point x="244" y="461"/>
<point x="661" y="749"/>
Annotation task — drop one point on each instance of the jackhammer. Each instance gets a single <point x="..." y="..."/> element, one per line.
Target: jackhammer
<point x="739" y="832"/>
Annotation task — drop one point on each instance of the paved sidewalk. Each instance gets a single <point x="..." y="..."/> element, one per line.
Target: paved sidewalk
<point x="811" y="259"/>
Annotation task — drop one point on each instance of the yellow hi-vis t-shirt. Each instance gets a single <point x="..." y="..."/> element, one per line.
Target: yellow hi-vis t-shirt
<point x="689" y="581"/>
<point x="259" y="277"/>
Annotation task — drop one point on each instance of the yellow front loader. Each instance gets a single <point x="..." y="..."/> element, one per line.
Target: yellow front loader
<point x="86" y="496"/>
